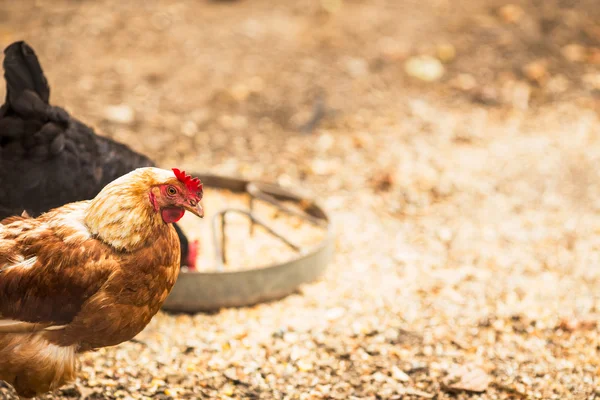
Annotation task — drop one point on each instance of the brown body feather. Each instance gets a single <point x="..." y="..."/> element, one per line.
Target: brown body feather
<point x="80" y="277"/>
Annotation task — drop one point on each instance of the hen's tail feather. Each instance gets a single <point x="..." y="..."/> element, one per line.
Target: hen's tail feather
<point x="27" y="90"/>
<point x="24" y="72"/>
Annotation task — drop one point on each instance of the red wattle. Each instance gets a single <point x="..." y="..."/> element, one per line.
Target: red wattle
<point x="171" y="214"/>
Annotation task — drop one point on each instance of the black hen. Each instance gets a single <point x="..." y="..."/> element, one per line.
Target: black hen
<point x="47" y="157"/>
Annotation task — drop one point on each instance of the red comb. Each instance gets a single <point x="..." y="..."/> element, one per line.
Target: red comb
<point x="193" y="184"/>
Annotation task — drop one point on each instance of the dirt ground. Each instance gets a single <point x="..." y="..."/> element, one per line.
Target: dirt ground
<point x="467" y="200"/>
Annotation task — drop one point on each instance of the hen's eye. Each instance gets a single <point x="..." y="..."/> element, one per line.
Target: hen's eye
<point x="171" y="191"/>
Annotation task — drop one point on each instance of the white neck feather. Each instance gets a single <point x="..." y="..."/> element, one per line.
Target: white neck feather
<point x="121" y="215"/>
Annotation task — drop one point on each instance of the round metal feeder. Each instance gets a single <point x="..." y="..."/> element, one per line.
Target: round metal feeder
<point x="209" y="291"/>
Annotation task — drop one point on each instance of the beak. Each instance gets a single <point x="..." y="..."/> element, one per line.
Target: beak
<point x="195" y="208"/>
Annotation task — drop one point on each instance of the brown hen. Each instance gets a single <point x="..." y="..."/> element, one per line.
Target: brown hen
<point x="87" y="275"/>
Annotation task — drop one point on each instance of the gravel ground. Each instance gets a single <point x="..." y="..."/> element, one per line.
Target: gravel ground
<point x="457" y="149"/>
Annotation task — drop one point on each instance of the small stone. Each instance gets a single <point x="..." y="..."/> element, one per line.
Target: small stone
<point x="322" y="167"/>
<point x="357" y="67"/>
<point x="335" y="313"/>
<point x="290" y="337"/>
<point x="425" y="68"/>
<point x="190" y="367"/>
<point x="297" y="353"/>
<point x="240" y="92"/>
<point x="285" y="180"/>
<point x="467" y="378"/>
<point x="464" y="82"/>
<point x="189" y="128"/>
<point x="536" y="71"/>
<point x="574" y="52"/>
<point x="446" y="52"/>
<point x="304" y="366"/>
<point x="379" y="377"/>
<point x="399" y="375"/>
<point x="227" y="390"/>
<point x="511" y="13"/>
<point x="325" y="142"/>
<point x="445" y="234"/>
<point x="358" y="328"/>
<point x="157" y="382"/>
<point x="119" y="114"/>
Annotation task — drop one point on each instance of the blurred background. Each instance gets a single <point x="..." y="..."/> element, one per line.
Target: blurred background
<point x="219" y="75"/>
<point x="456" y="144"/>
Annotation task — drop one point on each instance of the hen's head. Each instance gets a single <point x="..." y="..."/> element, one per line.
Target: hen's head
<point x="130" y="210"/>
<point x="172" y="197"/>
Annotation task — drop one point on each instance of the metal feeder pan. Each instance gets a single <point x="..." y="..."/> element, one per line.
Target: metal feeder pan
<point x="210" y="291"/>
